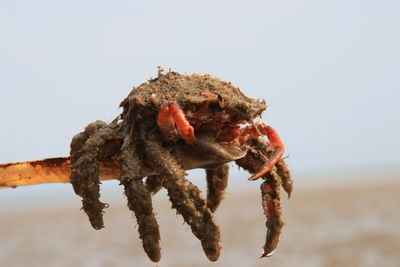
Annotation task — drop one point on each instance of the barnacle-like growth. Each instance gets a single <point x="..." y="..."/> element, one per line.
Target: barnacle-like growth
<point x="168" y="125"/>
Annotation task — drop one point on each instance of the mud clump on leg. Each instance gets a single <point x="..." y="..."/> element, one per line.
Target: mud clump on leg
<point x="217" y="181"/>
<point x="154" y="183"/>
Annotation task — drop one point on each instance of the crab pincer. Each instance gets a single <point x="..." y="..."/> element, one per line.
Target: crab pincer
<point x="277" y="145"/>
<point x="171" y="118"/>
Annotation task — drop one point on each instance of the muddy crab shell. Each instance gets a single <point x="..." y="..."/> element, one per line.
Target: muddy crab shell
<point x="187" y="91"/>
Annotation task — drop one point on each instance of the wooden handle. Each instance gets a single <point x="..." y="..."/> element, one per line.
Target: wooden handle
<point x="54" y="170"/>
<point x="205" y="154"/>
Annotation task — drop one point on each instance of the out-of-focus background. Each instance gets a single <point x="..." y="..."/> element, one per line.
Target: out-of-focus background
<point x="329" y="71"/>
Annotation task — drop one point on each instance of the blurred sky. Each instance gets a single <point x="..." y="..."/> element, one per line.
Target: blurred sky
<point x="329" y="70"/>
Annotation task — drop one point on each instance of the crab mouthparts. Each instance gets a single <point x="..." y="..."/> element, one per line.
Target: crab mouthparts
<point x="207" y="153"/>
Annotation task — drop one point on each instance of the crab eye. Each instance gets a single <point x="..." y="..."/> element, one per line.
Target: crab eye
<point x="221" y="102"/>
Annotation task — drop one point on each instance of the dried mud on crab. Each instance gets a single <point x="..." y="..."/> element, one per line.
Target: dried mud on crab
<point x="168" y="125"/>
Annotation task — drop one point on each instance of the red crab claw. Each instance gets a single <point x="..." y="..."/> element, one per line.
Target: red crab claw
<point x="273" y="137"/>
<point x="171" y="118"/>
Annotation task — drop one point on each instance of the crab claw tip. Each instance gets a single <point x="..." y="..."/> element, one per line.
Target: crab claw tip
<point x="256" y="176"/>
<point x="253" y="178"/>
<point x="267" y="254"/>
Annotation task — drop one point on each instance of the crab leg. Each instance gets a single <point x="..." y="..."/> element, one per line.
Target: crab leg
<point x="270" y="192"/>
<point x="139" y="201"/>
<point x="283" y="172"/>
<point x="217" y="180"/>
<point x="171" y="116"/>
<point x="85" y="169"/>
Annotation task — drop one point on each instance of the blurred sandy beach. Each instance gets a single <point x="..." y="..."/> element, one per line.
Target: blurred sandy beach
<point x="326" y="225"/>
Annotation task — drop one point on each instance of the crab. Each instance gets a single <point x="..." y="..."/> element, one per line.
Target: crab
<point x="171" y="124"/>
